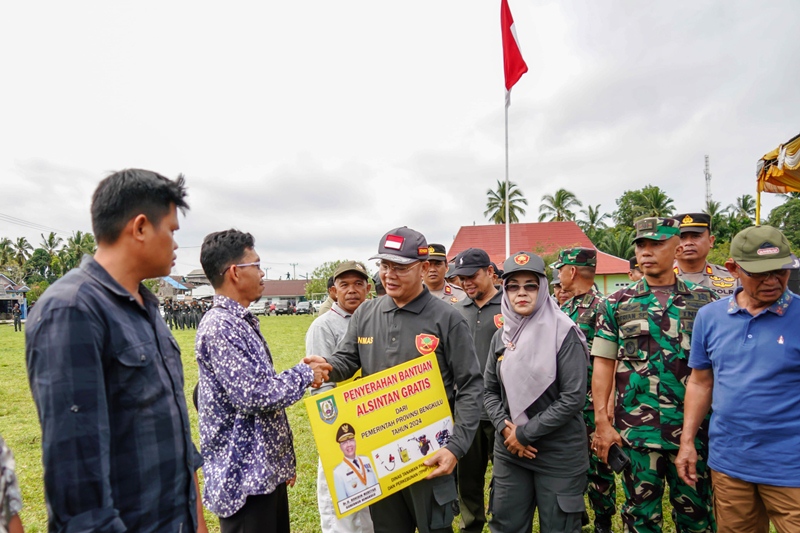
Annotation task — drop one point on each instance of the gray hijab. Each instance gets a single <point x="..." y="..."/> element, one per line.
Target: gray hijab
<point x="532" y="344"/>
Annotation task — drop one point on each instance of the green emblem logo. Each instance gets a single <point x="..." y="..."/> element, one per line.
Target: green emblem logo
<point x="327" y="409"/>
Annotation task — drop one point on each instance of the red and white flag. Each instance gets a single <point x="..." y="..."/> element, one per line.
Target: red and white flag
<point x="513" y="64"/>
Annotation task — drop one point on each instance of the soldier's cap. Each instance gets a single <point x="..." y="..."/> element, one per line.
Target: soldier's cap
<point x="634" y="263"/>
<point x="694" y="222"/>
<point x="403" y="246"/>
<point x="351" y="266"/>
<point x="437" y="252"/>
<point x="576" y="257"/>
<point x="523" y="262"/>
<point x="345" y="432"/>
<point x="762" y="249"/>
<point x="470" y="261"/>
<point x="656" y="228"/>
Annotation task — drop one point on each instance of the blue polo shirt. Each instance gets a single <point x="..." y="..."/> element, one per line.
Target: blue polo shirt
<point x="755" y="426"/>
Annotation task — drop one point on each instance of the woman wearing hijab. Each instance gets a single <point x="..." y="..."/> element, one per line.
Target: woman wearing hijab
<point x="535" y="387"/>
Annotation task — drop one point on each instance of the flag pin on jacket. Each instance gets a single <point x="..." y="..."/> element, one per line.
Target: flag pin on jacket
<point x="780" y="339"/>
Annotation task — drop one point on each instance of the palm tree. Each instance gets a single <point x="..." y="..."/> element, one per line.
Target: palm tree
<point x="595" y="220"/>
<point x="22" y="250"/>
<point x="6" y="251"/>
<point x="653" y="202"/>
<point x="69" y="257"/>
<point x="618" y="242"/>
<point x="51" y="243"/>
<point x="744" y="207"/>
<point x="557" y="206"/>
<point x="496" y="203"/>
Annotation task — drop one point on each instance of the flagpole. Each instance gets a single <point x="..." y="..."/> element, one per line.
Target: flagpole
<point x="508" y="230"/>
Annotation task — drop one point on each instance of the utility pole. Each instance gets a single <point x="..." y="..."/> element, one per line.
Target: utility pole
<point x="294" y="271"/>
<point x="266" y="272"/>
<point x="707" y="173"/>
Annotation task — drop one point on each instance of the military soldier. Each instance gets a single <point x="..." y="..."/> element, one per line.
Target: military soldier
<point x="434" y="276"/>
<point x="642" y="339"/>
<point x="355" y="473"/>
<point x="576" y="271"/>
<point x="16" y="314"/>
<point x="168" y="312"/>
<point x="696" y="242"/>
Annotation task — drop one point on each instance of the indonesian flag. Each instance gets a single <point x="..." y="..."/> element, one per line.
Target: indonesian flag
<point x="513" y="64"/>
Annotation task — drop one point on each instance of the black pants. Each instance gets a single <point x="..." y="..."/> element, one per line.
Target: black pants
<point x="471" y="478"/>
<point x="425" y="506"/>
<point x="262" y="513"/>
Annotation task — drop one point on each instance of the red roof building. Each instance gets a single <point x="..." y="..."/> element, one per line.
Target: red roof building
<point x="284" y="289"/>
<point x="541" y="238"/>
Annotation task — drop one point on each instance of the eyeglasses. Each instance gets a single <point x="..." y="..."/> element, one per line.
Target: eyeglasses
<point x="400" y="270"/>
<point x="515" y="287"/>
<point x="763" y="276"/>
<point x="257" y="264"/>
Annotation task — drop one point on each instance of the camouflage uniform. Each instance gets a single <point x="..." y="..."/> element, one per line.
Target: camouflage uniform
<point x="651" y="345"/>
<point x="10" y="496"/>
<point x="582" y="309"/>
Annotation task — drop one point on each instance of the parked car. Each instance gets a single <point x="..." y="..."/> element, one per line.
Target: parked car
<point x="282" y="307"/>
<point x="316" y="304"/>
<point x="303" y="308"/>
<point x="258" y="308"/>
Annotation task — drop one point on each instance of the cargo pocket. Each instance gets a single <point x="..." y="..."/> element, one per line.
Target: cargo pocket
<point x="573" y="507"/>
<point x="444" y="493"/>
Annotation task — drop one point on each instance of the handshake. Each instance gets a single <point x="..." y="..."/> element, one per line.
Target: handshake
<point x="320" y="367"/>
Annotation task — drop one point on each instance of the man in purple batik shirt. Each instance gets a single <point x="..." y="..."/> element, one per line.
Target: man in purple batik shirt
<point x="245" y="437"/>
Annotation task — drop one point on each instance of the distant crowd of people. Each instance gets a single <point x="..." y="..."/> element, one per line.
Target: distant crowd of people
<point x="184" y="315"/>
<point x="686" y="378"/>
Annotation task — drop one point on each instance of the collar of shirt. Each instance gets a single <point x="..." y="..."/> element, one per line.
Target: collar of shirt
<point x="96" y="270"/>
<point x="641" y="287"/>
<point x="496" y="299"/>
<point x="339" y="311"/>
<point x="233" y="306"/>
<point x="415" y="306"/>
<point x="779" y="307"/>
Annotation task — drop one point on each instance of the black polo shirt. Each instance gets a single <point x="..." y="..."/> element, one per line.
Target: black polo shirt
<point x="483" y="322"/>
<point x="381" y="335"/>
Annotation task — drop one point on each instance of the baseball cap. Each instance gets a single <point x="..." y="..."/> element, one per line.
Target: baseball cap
<point x="496" y="269"/>
<point x="656" y="228"/>
<point x="576" y="257"/>
<point x="351" y="266"/>
<point x="523" y="262"/>
<point x="694" y="222"/>
<point x="403" y="246"/>
<point x="761" y="249"/>
<point x="470" y="261"/>
<point x="437" y="252"/>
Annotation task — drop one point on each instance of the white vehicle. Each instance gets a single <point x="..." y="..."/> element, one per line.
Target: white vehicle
<point x="316" y="304"/>
<point x="258" y="308"/>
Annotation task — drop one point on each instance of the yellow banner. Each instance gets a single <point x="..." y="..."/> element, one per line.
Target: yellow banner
<point x="374" y="434"/>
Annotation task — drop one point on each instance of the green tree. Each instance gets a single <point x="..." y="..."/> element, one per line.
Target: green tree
<point x="51" y="243"/>
<point x="719" y="253"/>
<point x="36" y="290"/>
<point x="22" y="251"/>
<point x="719" y="221"/>
<point x="496" y="203"/>
<point x="38" y="267"/>
<point x="6" y="251"/>
<point x="318" y="284"/>
<point x="650" y="201"/>
<point x="558" y="207"/>
<point x="152" y="284"/>
<point x="594" y="222"/>
<point x="786" y="217"/>
<point x="744" y="207"/>
<point x="618" y="242"/>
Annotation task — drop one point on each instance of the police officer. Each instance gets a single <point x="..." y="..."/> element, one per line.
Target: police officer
<point x="576" y="271"/>
<point x="642" y="341"/>
<point x="408" y="322"/>
<point x="355" y="473"/>
<point x="168" y="312"/>
<point x="434" y="276"/>
<point x="691" y="264"/>
<point x="482" y="310"/>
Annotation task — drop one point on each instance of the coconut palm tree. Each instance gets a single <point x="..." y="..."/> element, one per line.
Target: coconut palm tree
<point x="595" y="220"/>
<point x="496" y="203"/>
<point x="22" y="250"/>
<point x="51" y="243"/>
<point x="653" y="202"/>
<point x="6" y="251"/>
<point x="744" y="207"/>
<point x="558" y="206"/>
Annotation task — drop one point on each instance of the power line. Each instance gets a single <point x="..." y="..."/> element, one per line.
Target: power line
<point x="31" y="225"/>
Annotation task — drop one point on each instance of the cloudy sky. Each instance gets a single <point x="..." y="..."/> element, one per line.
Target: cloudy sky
<point x="318" y="125"/>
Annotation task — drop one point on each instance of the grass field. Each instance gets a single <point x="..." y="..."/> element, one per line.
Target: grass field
<point x="20" y="428"/>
